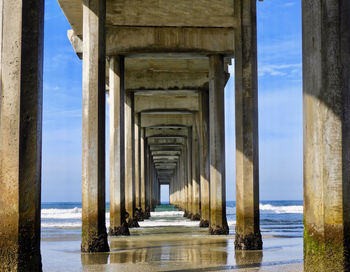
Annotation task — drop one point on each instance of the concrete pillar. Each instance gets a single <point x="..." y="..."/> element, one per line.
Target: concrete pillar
<point x="142" y="171"/>
<point x="182" y="162"/>
<point x="218" y="222"/>
<point x="189" y="173"/>
<point x="129" y="160"/>
<point x="137" y="163"/>
<point x="195" y="170"/>
<point x="185" y="177"/>
<point x="247" y="150"/>
<point x="118" y="225"/>
<point x="94" y="236"/>
<point x="21" y="58"/>
<point x="147" y="180"/>
<point x="204" y="157"/>
<point x="326" y="89"/>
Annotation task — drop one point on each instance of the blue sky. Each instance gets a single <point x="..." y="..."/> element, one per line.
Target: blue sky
<point x="280" y="107"/>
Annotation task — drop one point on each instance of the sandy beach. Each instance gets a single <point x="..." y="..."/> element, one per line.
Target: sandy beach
<point x="171" y="248"/>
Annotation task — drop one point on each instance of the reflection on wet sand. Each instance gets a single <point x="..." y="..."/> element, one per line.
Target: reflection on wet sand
<point x="253" y="257"/>
<point x="189" y="250"/>
<point x="169" y="248"/>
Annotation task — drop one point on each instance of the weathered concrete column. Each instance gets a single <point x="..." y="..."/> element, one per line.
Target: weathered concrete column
<point x="204" y="158"/>
<point x="189" y="173"/>
<point x="247" y="150"/>
<point x="137" y="163"/>
<point x="129" y="161"/>
<point x="185" y="177"/>
<point x="218" y="222"/>
<point x="21" y="58"/>
<point x="94" y="236"/>
<point x="326" y="89"/>
<point x="195" y="170"/>
<point x="182" y="162"/>
<point x="147" y="180"/>
<point x="142" y="171"/>
<point x="118" y="225"/>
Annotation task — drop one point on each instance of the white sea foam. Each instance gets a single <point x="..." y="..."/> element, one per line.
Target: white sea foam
<point x="71" y="218"/>
<point x="281" y="209"/>
<point x="167" y="214"/>
<point x="164" y="223"/>
<point x="74" y="213"/>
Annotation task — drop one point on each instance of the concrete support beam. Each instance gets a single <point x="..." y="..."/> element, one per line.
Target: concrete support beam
<point x="21" y="56"/>
<point x="94" y="236"/>
<point x="158" y="119"/>
<point x="174" y="101"/>
<point x="195" y="170"/>
<point x="129" y="160"/>
<point x="118" y="225"/>
<point x="167" y="132"/>
<point x="326" y="89"/>
<point x="204" y="157"/>
<point x="218" y="222"/>
<point x="247" y="150"/>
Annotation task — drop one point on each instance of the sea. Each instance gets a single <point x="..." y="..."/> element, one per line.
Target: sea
<point x="282" y="219"/>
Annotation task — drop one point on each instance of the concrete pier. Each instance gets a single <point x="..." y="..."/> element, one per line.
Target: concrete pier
<point x="247" y="150"/>
<point x="129" y="160"/>
<point x="204" y="157"/>
<point x="21" y="55"/>
<point x="94" y="236"/>
<point x="118" y="225"/>
<point x="195" y="169"/>
<point x="218" y="222"/>
<point x="326" y="89"/>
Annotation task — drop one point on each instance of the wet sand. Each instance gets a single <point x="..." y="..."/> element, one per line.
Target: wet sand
<point x="179" y="248"/>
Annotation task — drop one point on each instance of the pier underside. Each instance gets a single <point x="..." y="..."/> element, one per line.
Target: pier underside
<point x="163" y="66"/>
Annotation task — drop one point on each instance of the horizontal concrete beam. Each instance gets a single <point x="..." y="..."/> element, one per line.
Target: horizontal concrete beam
<point x="162" y="157"/>
<point x="166" y="153"/>
<point x="152" y="120"/>
<point x="130" y="40"/>
<point x="162" y="141"/>
<point x="179" y="13"/>
<point x="134" y="40"/>
<point x="166" y="132"/>
<point x="165" y="147"/>
<point x="159" y="80"/>
<point x="166" y="102"/>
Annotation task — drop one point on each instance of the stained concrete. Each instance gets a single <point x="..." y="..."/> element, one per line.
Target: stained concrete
<point x="118" y="224"/>
<point x="21" y="71"/>
<point x="218" y="222"/>
<point x="247" y="140"/>
<point x="94" y="235"/>
<point x="326" y="88"/>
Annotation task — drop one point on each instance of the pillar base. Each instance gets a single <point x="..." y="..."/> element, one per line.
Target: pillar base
<point x="219" y="230"/>
<point x="204" y="223"/>
<point x="132" y="223"/>
<point x="139" y="214"/>
<point x="250" y="241"/>
<point x="195" y="217"/>
<point x="95" y="243"/>
<point x="185" y="213"/>
<point x="10" y="260"/>
<point x="189" y="215"/>
<point x="123" y="230"/>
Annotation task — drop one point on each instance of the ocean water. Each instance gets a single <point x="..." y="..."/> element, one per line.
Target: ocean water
<point x="277" y="218"/>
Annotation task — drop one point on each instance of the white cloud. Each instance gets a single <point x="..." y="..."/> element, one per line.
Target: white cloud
<point x="278" y="69"/>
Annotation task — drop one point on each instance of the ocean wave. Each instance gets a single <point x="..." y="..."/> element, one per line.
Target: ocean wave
<point x="167" y="214"/>
<point x="74" y="213"/>
<point x="281" y="209"/>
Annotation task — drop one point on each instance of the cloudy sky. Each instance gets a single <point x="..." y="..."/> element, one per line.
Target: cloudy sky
<point x="280" y="107"/>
